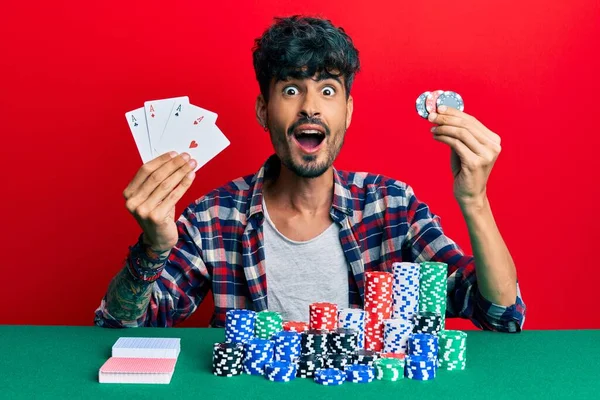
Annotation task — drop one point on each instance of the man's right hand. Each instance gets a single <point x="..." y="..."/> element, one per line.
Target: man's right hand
<point x="153" y="193"/>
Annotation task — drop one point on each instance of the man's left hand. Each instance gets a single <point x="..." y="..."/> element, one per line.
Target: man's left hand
<point x="475" y="149"/>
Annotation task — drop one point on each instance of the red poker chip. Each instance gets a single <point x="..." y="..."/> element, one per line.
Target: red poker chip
<point x="431" y="100"/>
<point x="399" y="356"/>
<point x="295" y="326"/>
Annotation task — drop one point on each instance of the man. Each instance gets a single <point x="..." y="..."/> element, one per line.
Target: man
<point x="300" y="231"/>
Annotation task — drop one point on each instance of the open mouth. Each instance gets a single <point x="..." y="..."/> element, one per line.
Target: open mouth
<point x="309" y="139"/>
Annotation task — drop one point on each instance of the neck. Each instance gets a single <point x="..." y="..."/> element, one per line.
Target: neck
<point x="307" y="196"/>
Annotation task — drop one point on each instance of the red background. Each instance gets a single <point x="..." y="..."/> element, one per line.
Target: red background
<point x="70" y="70"/>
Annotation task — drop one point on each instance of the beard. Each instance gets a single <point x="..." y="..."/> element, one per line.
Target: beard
<point x="309" y="167"/>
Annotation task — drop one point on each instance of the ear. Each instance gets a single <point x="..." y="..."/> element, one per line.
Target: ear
<point x="349" y="110"/>
<point x="261" y="110"/>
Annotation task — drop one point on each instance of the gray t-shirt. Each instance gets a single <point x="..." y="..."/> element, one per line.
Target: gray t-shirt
<point x="301" y="273"/>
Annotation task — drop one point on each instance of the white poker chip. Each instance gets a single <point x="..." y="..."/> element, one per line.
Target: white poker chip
<point x="420" y="105"/>
<point x="451" y="99"/>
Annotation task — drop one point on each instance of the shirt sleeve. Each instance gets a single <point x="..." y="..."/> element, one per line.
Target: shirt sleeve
<point x="182" y="285"/>
<point x="425" y="241"/>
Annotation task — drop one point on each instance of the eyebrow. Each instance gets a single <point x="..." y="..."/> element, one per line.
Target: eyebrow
<point x="321" y="78"/>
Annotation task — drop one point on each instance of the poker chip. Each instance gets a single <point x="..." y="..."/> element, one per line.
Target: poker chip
<point x="395" y="335"/>
<point x="452" y="353"/>
<point x="360" y="373"/>
<point x="405" y="290"/>
<point x="257" y="353"/>
<point x="228" y="359"/>
<point x="323" y="316"/>
<point x="267" y="323"/>
<point x="431" y="101"/>
<point x="389" y="369"/>
<point x="329" y="376"/>
<point x="308" y="365"/>
<point x="423" y="344"/>
<point x="343" y="341"/>
<point x="365" y="357"/>
<point x="239" y="325"/>
<point x="450" y="99"/>
<point x="427" y="322"/>
<point x="295" y="326"/>
<point x="420" y="368"/>
<point x="339" y="361"/>
<point x="420" y="105"/>
<point x="280" y="371"/>
<point x="313" y="341"/>
<point x="433" y="289"/>
<point x="287" y="346"/>
<point x="399" y="356"/>
<point x="378" y="306"/>
<point x="354" y="318"/>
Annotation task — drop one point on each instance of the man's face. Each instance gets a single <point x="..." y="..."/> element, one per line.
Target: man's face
<point x="307" y="120"/>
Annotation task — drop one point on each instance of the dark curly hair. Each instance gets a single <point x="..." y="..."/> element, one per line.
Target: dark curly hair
<point x="298" y="47"/>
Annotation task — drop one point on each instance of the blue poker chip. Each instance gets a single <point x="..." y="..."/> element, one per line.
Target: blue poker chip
<point x="330" y="376"/>
<point x="451" y="99"/>
<point x="420" y="105"/>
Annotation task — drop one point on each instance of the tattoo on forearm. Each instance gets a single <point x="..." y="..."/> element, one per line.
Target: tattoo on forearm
<point x="127" y="298"/>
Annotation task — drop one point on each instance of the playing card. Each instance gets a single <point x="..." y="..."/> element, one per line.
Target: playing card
<point x="137" y="370"/>
<point x="137" y="124"/>
<point x="199" y="137"/>
<point x="157" y="116"/>
<point x="142" y="347"/>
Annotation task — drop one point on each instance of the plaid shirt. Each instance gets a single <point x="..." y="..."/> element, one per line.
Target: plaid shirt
<point x="221" y="247"/>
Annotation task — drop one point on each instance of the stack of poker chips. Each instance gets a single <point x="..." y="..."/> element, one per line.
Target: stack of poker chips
<point x="360" y="373"/>
<point x="354" y="318"/>
<point x="421" y="368"/>
<point x="395" y="335"/>
<point x="452" y="353"/>
<point x="287" y="346"/>
<point x="365" y="357"/>
<point x="405" y="290"/>
<point x="313" y="342"/>
<point x="227" y="359"/>
<point x="433" y="289"/>
<point x="421" y="361"/>
<point x="323" y="316"/>
<point x="389" y="369"/>
<point x="428" y="102"/>
<point x="308" y="364"/>
<point x="378" y="306"/>
<point x="343" y="341"/>
<point x="330" y="376"/>
<point x="295" y="326"/>
<point x="280" y="371"/>
<point x="427" y="322"/>
<point x="239" y="325"/>
<point x="423" y="344"/>
<point x="267" y="324"/>
<point x="258" y="353"/>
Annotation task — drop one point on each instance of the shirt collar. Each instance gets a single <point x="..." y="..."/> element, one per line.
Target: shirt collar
<point x="342" y="198"/>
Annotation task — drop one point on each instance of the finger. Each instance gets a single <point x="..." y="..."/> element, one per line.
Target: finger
<point x="167" y="186"/>
<point x="464" y="153"/>
<point x="468" y="124"/>
<point x="488" y="134"/>
<point x="171" y="200"/>
<point x="155" y="179"/>
<point x="145" y="171"/>
<point x="462" y="135"/>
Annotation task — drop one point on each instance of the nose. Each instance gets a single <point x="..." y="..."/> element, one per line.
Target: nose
<point x="310" y="107"/>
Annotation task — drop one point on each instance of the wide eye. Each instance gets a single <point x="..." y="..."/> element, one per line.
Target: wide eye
<point x="290" y="90"/>
<point x="328" y="91"/>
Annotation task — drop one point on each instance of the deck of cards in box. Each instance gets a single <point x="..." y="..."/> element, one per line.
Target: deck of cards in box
<point x="141" y="360"/>
<point x="176" y="125"/>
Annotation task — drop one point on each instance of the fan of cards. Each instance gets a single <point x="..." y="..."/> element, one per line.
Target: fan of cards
<point x="428" y="102"/>
<point x="176" y="125"/>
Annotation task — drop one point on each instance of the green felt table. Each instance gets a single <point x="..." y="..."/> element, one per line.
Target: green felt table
<point x="63" y="362"/>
